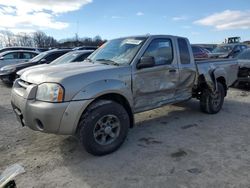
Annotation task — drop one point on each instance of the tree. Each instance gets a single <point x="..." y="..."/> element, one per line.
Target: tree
<point x="41" y="40"/>
<point x="24" y="39"/>
<point x="8" y="38"/>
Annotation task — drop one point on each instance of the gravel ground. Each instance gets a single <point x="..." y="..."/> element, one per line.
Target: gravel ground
<point x="174" y="146"/>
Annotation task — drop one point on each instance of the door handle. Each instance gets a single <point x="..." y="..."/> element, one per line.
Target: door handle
<point x="172" y="70"/>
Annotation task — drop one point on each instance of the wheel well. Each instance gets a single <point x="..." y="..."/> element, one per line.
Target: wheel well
<point x="119" y="99"/>
<point x="202" y="84"/>
<point x="222" y="80"/>
<point x="122" y="101"/>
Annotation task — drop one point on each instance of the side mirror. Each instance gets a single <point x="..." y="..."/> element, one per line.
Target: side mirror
<point x="43" y="61"/>
<point x="146" y="62"/>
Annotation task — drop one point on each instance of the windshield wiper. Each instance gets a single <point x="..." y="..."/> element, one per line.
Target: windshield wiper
<point x="108" y="62"/>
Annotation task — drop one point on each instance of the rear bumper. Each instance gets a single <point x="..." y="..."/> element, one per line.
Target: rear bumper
<point x="57" y="118"/>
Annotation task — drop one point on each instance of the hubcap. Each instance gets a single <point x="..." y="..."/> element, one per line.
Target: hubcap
<point x="216" y="99"/>
<point x="107" y="129"/>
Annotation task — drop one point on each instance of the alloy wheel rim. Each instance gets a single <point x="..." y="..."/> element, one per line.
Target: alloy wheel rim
<point x="216" y="100"/>
<point x="107" y="129"/>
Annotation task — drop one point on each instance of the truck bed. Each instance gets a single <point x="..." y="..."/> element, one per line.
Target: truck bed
<point x="227" y="67"/>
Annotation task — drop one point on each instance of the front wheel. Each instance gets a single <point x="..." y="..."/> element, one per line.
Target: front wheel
<point x="212" y="102"/>
<point x="103" y="127"/>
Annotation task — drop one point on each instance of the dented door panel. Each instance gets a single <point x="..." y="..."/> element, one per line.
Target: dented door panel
<point x="154" y="86"/>
<point x="186" y="82"/>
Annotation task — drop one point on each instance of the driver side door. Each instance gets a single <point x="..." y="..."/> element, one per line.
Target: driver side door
<point x="156" y="85"/>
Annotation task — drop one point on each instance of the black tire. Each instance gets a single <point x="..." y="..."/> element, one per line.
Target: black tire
<point x="8" y="80"/>
<point x="89" y="122"/>
<point x="212" y="103"/>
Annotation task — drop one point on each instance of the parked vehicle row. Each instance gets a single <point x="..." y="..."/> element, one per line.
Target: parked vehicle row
<point x="228" y="50"/>
<point x="96" y="100"/>
<point x="70" y="57"/>
<point x="199" y="52"/>
<point x="23" y="48"/>
<point x="8" y="73"/>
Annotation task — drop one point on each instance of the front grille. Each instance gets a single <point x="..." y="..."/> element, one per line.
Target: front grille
<point x="24" y="89"/>
<point x="23" y="83"/>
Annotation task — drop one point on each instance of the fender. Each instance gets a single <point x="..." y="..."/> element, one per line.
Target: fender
<point x="212" y="76"/>
<point x="102" y="87"/>
<point x="217" y="73"/>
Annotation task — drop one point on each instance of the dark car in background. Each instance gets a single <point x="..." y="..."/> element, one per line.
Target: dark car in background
<point x="23" y="48"/>
<point x="70" y="57"/>
<point x="8" y="73"/>
<point x="199" y="52"/>
<point x="228" y="50"/>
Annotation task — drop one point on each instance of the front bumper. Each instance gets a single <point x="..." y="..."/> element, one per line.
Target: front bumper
<point x="57" y="118"/>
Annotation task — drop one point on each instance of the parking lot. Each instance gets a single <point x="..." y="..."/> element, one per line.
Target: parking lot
<point x="174" y="146"/>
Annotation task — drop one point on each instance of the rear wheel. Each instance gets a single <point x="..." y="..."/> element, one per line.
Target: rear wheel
<point x="103" y="127"/>
<point x="212" y="102"/>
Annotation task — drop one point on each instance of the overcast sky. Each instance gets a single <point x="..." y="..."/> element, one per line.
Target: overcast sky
<point x="204" y="21"/>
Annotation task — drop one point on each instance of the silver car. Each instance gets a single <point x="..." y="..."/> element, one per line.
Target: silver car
<point x="15" y="57"/>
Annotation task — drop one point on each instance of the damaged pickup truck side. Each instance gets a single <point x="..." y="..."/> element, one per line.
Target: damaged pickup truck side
<point x="96" y="100"/>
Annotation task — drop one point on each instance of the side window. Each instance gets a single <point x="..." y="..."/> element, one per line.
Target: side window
<point x="161" y="50"/>
<point x="81" y="57"/>
<point x="54" y="56"/>
<point x="27" y="55"/>
<point x="184" y="52"/>
<point x="13" y="55"/>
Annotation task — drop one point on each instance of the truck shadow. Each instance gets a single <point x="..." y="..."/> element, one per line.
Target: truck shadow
<point x="166" y="136"/>
<point x="244" y="87"/>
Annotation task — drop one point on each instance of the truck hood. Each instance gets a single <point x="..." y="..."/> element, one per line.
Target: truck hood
<point x="75" y="77"/>
<point x="29" y="68"/>
<point x="59" y="73"/>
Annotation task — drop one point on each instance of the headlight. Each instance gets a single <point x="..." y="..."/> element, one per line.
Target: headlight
<point x="50" y="92"/>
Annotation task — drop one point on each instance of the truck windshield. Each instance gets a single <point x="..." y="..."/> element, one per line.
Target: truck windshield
<point x="118" y="51"/>
<point x="223" y="49"/>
